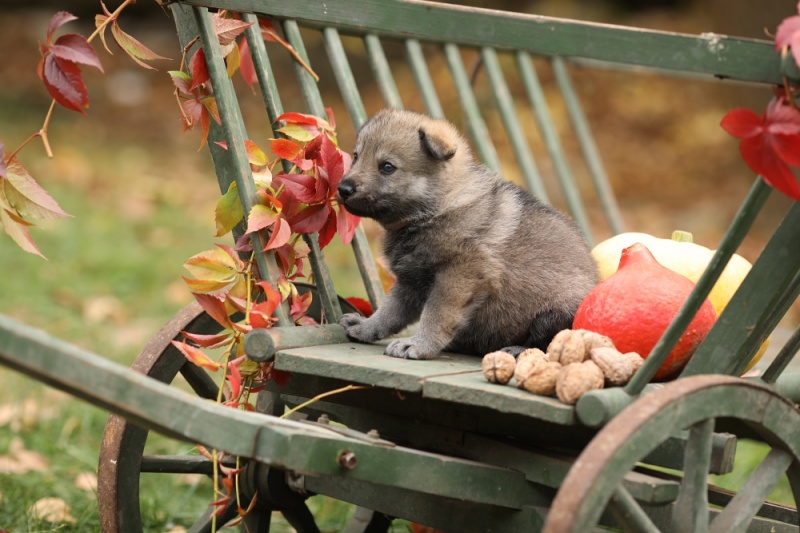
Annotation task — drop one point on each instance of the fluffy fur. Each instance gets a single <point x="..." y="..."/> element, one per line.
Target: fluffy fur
<point x="480" y="263"/>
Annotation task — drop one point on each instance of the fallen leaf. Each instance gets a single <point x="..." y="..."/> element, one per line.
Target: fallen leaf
<point x="86" y="481"/>
<point x="52" y="510"/>
<point x="20" y="460"/>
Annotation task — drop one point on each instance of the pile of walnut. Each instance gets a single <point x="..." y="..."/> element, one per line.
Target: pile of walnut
<point x="576" y="362"/>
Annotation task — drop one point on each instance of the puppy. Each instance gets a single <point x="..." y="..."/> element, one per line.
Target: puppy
<point x="480" y="263"/>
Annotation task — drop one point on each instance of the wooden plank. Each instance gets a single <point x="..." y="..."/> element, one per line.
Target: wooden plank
<point x="471" y="388"/>
<point x="367" y="365"/>
<point x="717" y="55"/>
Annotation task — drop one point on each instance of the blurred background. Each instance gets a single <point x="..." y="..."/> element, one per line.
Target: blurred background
<point x="143" y="197"/>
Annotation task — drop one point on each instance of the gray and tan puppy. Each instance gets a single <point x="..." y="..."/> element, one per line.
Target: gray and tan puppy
<point x="480" y="263"/>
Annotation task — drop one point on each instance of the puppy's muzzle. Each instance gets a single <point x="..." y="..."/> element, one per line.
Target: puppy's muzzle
<point x="347" y="188"/>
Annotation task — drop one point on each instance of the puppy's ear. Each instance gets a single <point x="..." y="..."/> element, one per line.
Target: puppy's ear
<point x="438" y="141"/>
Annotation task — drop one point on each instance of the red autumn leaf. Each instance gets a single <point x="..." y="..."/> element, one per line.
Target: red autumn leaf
<point x="281" y="233"/>
<point x="261" y="313"/>
<point x="255" y="155"/>
<point x="311" y="219"/>
<point x="286" y="149"/>
<point x="302" y="186"/>
<point x="75" y="48"/>
<point x="56" y="21"/>
<point x="346" y="224"/>
<point x="260" y="217"/>
<point x="63" y="81"/>
<point x="361" y="305"/>
<point x="198" y="69"/>
<point x="181" y="80"/>
<point x="770" y="144"/>
<point x="246" y="66"/>
<point x="215" y="309"/>
<point x="17" y="228"/>
<point x="227" y="29"/>
<point x="234" y="377"/>
<point x="196" y="356"/>
<point x="330" y="159"/>
<point x="302" y="118"/>
<point x="27" y="197"/>
<point x="328" y="230"/>
<point x="299" y="305"/>
<point x="209" y="341"/>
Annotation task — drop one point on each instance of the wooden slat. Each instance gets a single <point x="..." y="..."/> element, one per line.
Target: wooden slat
<point x="515" y="133"/>
<point x="235" y="135"/>
<point x="553" y="144"/>
<point x="382" y="71"/>
<point x="717" y="55"/>
<point x="419" y="68"/>
<point x="475" y="124"/>
<point x="586" y="141"/>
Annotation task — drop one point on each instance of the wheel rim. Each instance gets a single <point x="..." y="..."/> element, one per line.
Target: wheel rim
<point x="693" y="402"/>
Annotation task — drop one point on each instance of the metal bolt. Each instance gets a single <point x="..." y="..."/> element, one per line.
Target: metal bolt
<point x="323" y="419"/>
<point x="347" y="460"/>
<point x="373" y="434"/>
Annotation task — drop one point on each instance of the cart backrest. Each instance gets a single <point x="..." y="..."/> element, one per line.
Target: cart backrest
<point x="506" y="49"/>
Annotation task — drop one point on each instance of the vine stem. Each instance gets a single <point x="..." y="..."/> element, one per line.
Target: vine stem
<point x="321" y="396"/>
<point x="46" y="124"/>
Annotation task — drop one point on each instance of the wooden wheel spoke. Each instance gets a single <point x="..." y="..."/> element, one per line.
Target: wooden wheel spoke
<point x="200" y="381"/>
<point x="748" y="500"/>
<point x="691" y="508"/>
<point x="629" y="513"/>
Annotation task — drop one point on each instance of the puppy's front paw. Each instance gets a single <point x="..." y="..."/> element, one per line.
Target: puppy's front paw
<point x="409" y="349"/>
<point x="357" y="328"/>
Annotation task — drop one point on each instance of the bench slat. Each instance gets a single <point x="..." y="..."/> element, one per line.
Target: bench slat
<point x="419" y="69"/>
<point x="475" y="124"/>
<point x="515" y="133"/>
<point x="725" y="57"/>
<point x="382" y="71"/>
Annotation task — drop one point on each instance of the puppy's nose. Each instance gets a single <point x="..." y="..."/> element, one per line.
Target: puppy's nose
<point x="346" y="189"/>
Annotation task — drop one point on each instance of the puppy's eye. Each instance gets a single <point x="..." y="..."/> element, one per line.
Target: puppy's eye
<point x="386" y="168"/>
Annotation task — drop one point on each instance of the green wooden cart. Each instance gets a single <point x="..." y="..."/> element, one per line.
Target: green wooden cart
<point x="432" y="441"/>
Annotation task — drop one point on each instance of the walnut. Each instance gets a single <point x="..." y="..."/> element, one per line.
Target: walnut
<point x="538" y="377"/>
<point x="526" y="366"/>
<point x="532" y="352"/>
<point x="594" y="340"/>
<point x="567" y="347"/>
<point x="575" y="379"/>
<point x="498" y="367"/>
<point x="617" y="368"/>
<point x="636" y="361"/>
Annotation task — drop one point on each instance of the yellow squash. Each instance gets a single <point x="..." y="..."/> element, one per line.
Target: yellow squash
<point x="683" y="256"/>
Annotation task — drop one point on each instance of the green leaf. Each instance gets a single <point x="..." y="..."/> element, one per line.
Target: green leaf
<point x="228" y="212"/>
<point x="213" y="265"/>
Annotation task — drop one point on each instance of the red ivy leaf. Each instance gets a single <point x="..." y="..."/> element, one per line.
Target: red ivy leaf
<point x="63" y="81"/>
<point x="76" y="48"/>
<point x="280" y="377"/>
<point x="311" y="219"/>
<point x="361" y="305"/>
<point x="260" y="217"/>
<point x="346" y="224"/>
<point x="788" y="34"/>
<point x="328" y="230"/>
<point x="209" y="341"/>
<point x="198" y="69"/>
<point x="228" y="30"/>
<point x="196" y="356"/>
<point x="17" y="229"/>
<point x="281" y="233"/>
<point x="234" y="377"/>
<point x="246" y="66"/>
<point x="299" y="305"/>
<point x="56" y="21"/>
<point x="302" y="186"/>
<point x="770" y="143"/>
<point x="286" y="149"/>
<point x="215" y="309"/>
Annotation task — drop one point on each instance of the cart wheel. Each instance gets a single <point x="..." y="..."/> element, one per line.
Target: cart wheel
<point x="694" y="403"/>
<point x="122" y="457"/>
